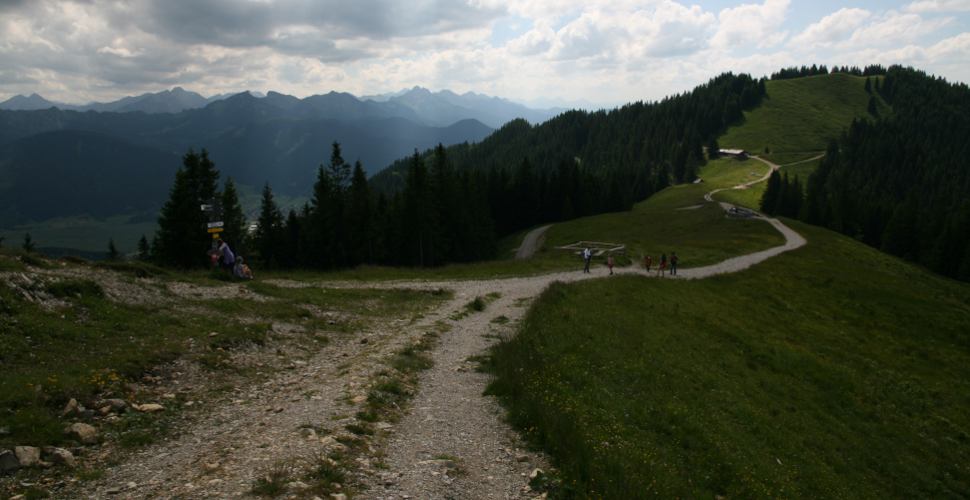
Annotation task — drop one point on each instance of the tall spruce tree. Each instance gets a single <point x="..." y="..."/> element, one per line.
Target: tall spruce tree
<point x="28" y="245"/>
<point x="113" y="253"/>
<point x="234" y="221"/>
<point x="144" y="251"/>
<point x="267" y="240"/>
<point x="360" y="218"/>
<point x="419" y="215"/>
<point x="181" y="239"/>
<point x="772" y="194"/>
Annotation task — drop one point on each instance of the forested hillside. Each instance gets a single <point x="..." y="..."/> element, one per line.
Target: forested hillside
<point x="902" y="183"/>
<point x="450" y="204"/>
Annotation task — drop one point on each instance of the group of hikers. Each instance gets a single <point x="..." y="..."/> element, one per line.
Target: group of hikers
<point x="222" y="257"/>
<point x="647" y="262"/>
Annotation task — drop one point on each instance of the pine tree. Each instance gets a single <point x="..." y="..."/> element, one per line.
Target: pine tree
<point x="293" y="247"/>
<point x="181" y="239"/>
<point x="234" y="221"/>
<point x="144" y="251"/>
<point x="769" y="199"/>
<point x="267" y="237"/>
<point x="871" y="107"/>
<point x="360" y="218"/>
<point x="713" y="149"/>
<point x="113" y="253"/>
<point x="29" y="244"/>
<point x="868" y="86"/>
<point x="418" y="215"/>
<point x="1" y="241"/>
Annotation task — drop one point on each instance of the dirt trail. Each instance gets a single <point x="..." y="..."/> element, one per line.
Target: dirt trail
<point x="772" y="167"/>
<point x="532" y="242"/>
<point x="452" y="443"/>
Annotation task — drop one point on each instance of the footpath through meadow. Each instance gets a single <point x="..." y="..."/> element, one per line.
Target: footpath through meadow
<point x="452" y="441"/>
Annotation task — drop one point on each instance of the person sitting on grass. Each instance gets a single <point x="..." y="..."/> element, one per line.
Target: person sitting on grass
<point x="241" y="270"/>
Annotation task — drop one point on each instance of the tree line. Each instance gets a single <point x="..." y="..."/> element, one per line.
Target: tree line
<point x="900" y="182"/>
<point x="815" y="69"/>
<point x="453" y="204"/>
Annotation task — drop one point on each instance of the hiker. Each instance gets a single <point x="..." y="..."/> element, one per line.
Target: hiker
<point x="673" y="263"/>
<point x="227" y="259"/>
<point x="609" y="263"/>
<point x="241" y="270"/>
<point x="587" y="256"/>
<point x="647" y="260"/>
<point x="663" y="264"/>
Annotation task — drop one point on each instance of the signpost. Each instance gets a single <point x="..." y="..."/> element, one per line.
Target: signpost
<point x="215" y="225"/>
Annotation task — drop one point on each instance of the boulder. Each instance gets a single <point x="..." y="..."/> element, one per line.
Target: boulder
<point x="59" y="456"/>
<point x="8" y="462"/>
<point x="28" y="456"/>
<point x="84" y="433"/>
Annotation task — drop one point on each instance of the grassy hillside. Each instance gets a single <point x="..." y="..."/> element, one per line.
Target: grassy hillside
<point x="751" y="197"/>
<point x="800" y="115"/>
<point x="830" y="371"/>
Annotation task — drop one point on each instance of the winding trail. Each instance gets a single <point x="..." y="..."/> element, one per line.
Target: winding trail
<point x="450" y="418"/>
<point x="532" y="242"/>
<point x="773" y="167"/>
<point x="452" y="443"/>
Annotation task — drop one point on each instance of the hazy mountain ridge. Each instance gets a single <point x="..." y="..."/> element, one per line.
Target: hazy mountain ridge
<point x="277" y="139"/>
<point x="417" y="104"/>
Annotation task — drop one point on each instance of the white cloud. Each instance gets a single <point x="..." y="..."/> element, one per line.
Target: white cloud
<point x="895" y="29"/>
<point x="597" y="50"/>
<point x="832" y="29"/>
<point x="939" y="6"/>
<point x="751" y="24"/>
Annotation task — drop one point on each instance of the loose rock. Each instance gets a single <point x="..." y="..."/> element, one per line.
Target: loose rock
<point x="117" y="405"/>
<point x="28" y="456"/>
<point x="8" y="462"/>
<point x="149" y="407"/>
<point x="59" y="456"/>
<point x="84" y="433"/>
<point x="70" y="408"/>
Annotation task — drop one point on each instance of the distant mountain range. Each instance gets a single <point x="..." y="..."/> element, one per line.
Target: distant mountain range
<point x="166" y="101"/>
<point x="103" y="159"/>
<point x="420" y="105"/>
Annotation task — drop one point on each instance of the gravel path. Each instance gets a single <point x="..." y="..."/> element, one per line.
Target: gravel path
<point x="452" y="443"/>
<point x="531" y="242"/>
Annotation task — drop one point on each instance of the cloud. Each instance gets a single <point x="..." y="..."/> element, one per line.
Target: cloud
<point x="751" y="24"/>
<point x="925" y="6"/>
<point x="832" y="29"/>
<point x="895" y="29"/>
<point x="598" y="50"/>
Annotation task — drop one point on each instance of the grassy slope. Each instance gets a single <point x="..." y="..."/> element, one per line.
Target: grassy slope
<point x="751" y="197"/>
<point x="800" y="116"/>
<point x="831" y="371"/>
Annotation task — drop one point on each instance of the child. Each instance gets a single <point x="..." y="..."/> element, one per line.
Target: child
<point x="609" y="263"/>
<point x="647" y="260"/>
<point x="241" y="270"/>
<point x="663" y="264"/>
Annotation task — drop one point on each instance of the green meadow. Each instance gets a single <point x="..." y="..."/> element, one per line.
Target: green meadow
<point x="832" y="371"/>
<point x="800" y="116"/>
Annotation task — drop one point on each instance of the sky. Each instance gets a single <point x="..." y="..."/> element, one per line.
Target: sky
<point x="539" y="52"/>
